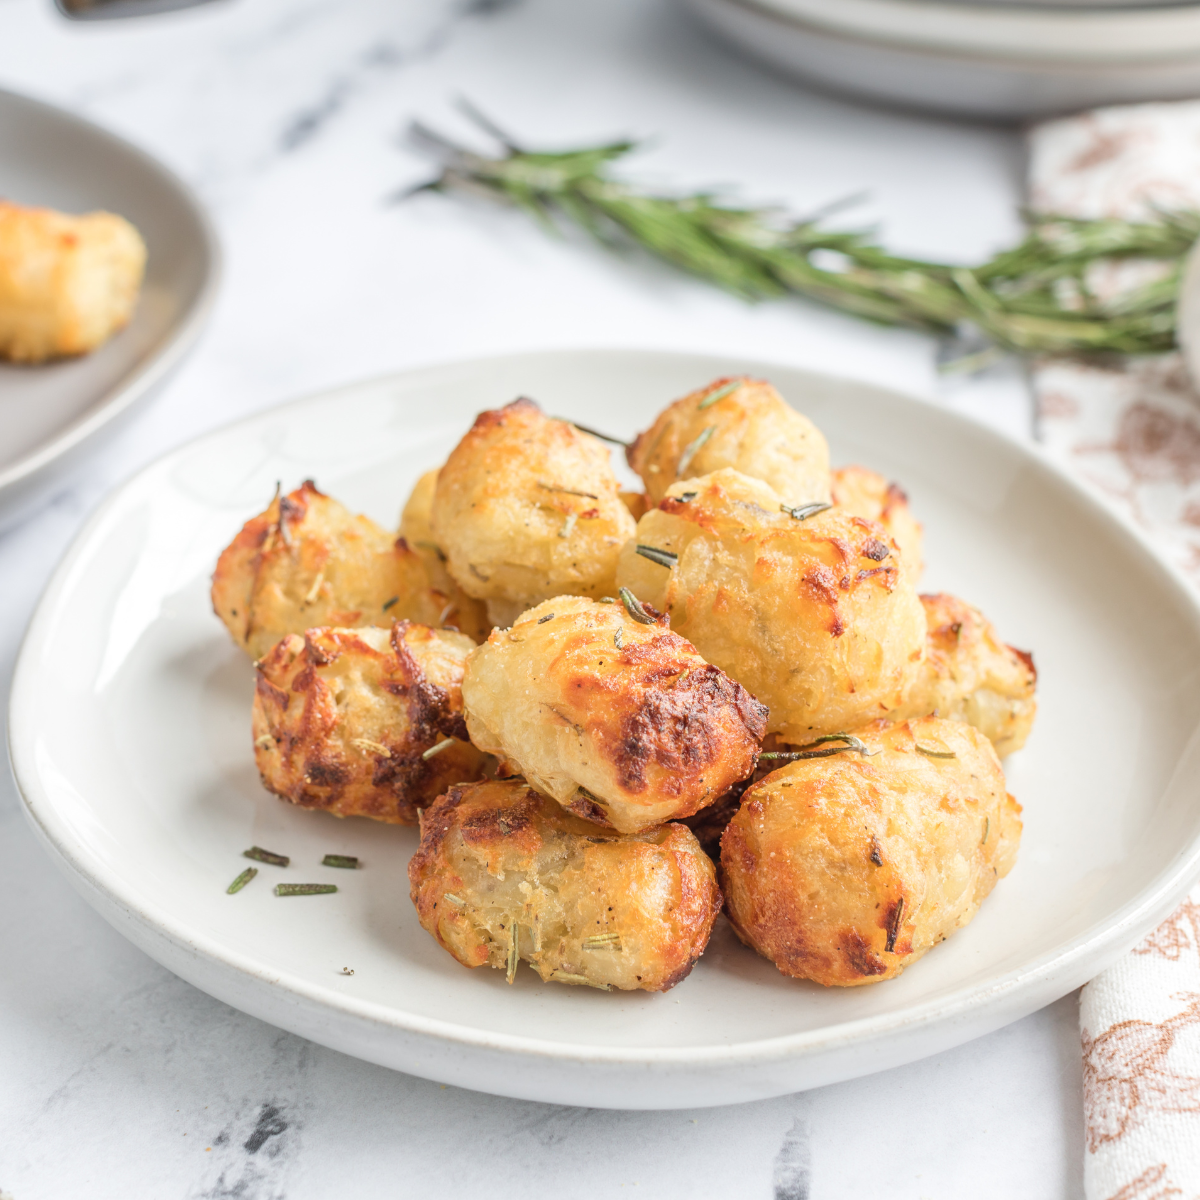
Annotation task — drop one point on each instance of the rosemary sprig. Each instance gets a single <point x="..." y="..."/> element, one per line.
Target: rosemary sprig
<point x="809" y="749"/>
<point x="266" y="856"/>
<point x="1033" y="298"/>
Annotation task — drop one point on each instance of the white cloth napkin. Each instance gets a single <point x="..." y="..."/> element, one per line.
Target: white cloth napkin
<point x="1132" y="430"/>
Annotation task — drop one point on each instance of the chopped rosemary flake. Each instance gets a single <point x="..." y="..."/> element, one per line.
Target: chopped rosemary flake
<point x="719" y="394"/>
<point x="547" y="617"/>
<point x="260" y="855"/>
<point x="692" y="449"/>
<point x="617" y="639"/>
<point x="894" y="926"/>
<point x="388" y="603"/>
<point x="602" y="941"/>
<point x="803" y="511"/>
<point x="554" y="487"/>
<point x="241" y="881"/>
<point x="514" y="951"/>
<point x="457" y="901"/>
<point x="568" y="525"/>
<point x="305" y="889"/>
<point x="433" y="548"/>
<point x="987" y="828"/>
<point x="348" y="861"/>
<point x="633" y="606"/>
<point x="607" y="600"/>
<point x="664" y="558"/>
<point x="604" y="437"/>
<point x="444" y="744"/>
<point x="315" y="590"/>
<point x="368" y="744"/>
<point x="925" y="750"/>
<point x="686" y="496"/>
<point x="809" y="749"/>
<point x="567" y="977"/>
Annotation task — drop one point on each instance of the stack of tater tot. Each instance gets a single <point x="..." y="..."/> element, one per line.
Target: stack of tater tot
<point x="614" y="715"/>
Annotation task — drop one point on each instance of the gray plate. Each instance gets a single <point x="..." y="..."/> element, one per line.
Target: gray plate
<point x="51" y="415"/>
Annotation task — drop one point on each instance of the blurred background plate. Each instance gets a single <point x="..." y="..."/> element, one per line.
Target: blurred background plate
<point x="995" y="60"/>
<point x="51" y="414"/>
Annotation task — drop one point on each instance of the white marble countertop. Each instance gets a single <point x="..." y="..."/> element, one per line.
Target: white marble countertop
<point x="119" y="1080"/>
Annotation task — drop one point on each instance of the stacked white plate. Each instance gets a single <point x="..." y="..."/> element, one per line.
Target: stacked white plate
<point x="985" y="58"/>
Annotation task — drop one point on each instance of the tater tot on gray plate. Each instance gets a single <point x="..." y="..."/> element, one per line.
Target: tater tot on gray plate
<point x="67" y="283"/>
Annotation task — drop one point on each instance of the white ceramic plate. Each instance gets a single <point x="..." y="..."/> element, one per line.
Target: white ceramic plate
<point x="975" y="60"/>
<point x="130" y="738"/>
<point x="51" y="413"/>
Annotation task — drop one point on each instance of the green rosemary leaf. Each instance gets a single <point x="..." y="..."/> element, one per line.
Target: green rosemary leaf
<point x="664" y="558"/>
<point x="719" y="394"/>
<point x="634" y="607"/>
<point x="346" y="861"/>
<point x="554" y="487"/>
<point x="925" y="750"/>
<point x="568" y="977"/>
<point x="388" y="603"/>
<point x="266" y="856"/>
<point x="604" y="437"/>
<point x="602" y="941"/>
<point x="803" y="511"/>
<point x="691" y="449"/>
<point x="514" y="951"/>
<point x="305" y="889"/>
<point x="809" y="750"/>
<point x="245" y="877"/>
<point x="444" y="744"/>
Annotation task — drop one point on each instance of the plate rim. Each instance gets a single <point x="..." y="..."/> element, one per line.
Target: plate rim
<point x="1004" y="34"/>
<point x="136" y="384"/>
<point x="1104" y="940"/>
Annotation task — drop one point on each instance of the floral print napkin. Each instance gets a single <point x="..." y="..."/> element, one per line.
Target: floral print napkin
<point x="1132" y="430"/>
